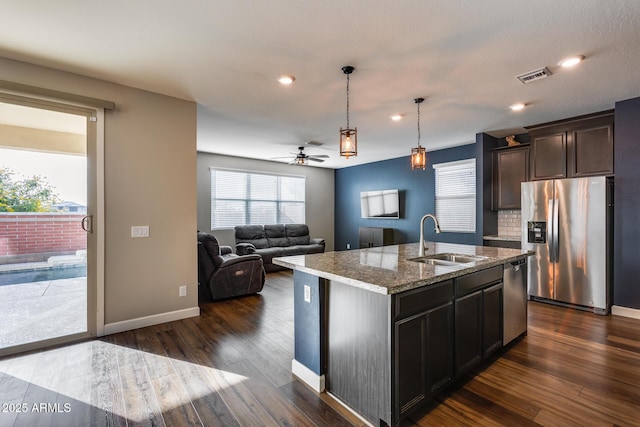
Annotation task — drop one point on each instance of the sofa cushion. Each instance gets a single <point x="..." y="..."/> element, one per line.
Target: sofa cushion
<point x="297" y="234"/>
<point x="268" y="254"/>
<point x="305" y="249"/>
<point x="253" y="234"/>
<point x="276" y="235"/>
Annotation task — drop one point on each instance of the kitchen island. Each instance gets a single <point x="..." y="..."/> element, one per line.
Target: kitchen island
<point x="384" y="332"/>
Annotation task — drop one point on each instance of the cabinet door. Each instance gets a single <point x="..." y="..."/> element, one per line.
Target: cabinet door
<point x="468" y="332"/>
<point x="592" y="150"/>
<point x="549" y="156"/>
<point x="366" y="238"/>
<point x="511" y="168"/>
<point x="410" y="380"/>
<point x="492" y="319"/>
<point x="423" y="357"/>
<point x="440" y="350"/>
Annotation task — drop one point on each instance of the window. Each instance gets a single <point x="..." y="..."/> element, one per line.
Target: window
<point x="456" y="196"/>
<point x="241" y="198"/>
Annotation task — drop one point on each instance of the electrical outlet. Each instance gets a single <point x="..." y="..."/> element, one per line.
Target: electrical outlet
<point x="348" y="245"/>
<point x="307" y="293"/>
<point x="182" y="291"/>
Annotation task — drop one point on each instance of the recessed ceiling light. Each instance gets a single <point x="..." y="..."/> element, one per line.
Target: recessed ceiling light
<point x="286" y="79"/>
<point x="517" y="106"/>
<point x="396" y="117"/>
<point x="571" y="61"/>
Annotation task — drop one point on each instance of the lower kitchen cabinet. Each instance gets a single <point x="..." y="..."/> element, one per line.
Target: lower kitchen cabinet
<point x="424" y="347"/>
<point x="478" y="317"/>
<point x="492" y="318"/>
<point x="468" y="332"/>
<point x="441" y="332"/>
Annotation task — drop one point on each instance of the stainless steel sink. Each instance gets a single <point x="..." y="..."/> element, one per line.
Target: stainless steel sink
<point x="447" y="259"/>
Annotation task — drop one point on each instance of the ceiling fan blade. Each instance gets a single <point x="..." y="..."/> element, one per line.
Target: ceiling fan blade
<point x="281" y="157"/>
<point x="314" y="159"/>
<point x="320" y="156"/>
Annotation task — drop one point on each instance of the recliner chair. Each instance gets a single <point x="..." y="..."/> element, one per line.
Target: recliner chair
<point x="222" y="274"/>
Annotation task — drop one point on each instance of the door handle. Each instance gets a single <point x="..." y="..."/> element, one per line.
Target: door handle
<point x="550" y="240"/>
<point x="87" y="223"/>
<point x="556" y="231"/>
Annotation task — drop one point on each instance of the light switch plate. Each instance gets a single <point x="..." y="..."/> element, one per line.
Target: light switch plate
<point x="140" y="231"/>
<point x="307" y="293"/>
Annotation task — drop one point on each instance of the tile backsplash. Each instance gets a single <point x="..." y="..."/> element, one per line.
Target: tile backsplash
<point x="509" y="223"/>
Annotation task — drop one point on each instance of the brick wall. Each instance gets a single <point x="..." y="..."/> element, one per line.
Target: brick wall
<point x="509" y="223"/>
<point x="32" y="233"/>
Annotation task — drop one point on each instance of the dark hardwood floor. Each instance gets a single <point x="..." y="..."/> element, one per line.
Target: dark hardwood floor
<point x="232" y="367"/>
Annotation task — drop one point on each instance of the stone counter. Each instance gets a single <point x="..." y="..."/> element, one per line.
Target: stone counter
<point x="387" y="270"/>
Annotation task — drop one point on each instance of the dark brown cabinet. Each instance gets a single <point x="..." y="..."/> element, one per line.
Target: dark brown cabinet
<point x="423" y="345"/>
<point x="492" y="318"/>
<point x="582" y="146"/>
<point x="375" y="236"/>
<point x="510" y="169"/>
<point x="468" y="344"/>
<point x="423" y="356"/>
<point x="478" y="318"/>
<point x="442" y="331"/>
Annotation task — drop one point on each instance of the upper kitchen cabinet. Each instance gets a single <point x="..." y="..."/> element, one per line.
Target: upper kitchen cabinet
<point x="510" y="169"/>
<point x="581" y="146"/>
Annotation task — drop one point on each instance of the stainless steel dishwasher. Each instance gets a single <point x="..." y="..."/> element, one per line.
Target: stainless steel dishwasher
<point x="515" y="300"/>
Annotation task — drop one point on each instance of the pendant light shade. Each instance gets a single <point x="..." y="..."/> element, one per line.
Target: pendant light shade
<point x="418" y="154"/>
<point x="348" y="136"/>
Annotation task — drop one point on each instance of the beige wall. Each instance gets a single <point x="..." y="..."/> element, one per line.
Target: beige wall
<point x="319" y="192"/>
<point x="150" y="159"/>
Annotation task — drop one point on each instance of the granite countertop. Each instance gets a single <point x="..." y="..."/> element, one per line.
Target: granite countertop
<point x="507" y="238"/>
<point x="386" y="269"/>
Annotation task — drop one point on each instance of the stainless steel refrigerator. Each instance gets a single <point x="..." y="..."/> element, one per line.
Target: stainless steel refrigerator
<point x="567" y="222"/>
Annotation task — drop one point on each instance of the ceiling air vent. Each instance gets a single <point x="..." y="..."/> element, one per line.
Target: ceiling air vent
<point x="534" y="75"/>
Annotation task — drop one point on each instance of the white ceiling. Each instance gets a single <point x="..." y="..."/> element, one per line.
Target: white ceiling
<point x="461" y="55"/>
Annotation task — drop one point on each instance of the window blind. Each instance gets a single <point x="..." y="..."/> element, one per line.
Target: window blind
<point x="456" y="195"/>
<point x="248" y="198"/>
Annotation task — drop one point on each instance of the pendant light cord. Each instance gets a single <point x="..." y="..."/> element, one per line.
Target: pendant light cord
<point x="348" y="102"/>
<point x="418" y="124"/>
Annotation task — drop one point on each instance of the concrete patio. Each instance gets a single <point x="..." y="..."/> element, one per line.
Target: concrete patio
<point x="35" y="311"/>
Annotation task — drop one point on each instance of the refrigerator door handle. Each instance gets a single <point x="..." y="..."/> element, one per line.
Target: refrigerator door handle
<point x="556" y="233"/>
<point x="550" y="225"/>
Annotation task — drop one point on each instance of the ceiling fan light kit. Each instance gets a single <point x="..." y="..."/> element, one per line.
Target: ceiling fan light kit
<point x="418" y="154"/>
<point x="348" y="136"/>
<point x="302" y="159"/>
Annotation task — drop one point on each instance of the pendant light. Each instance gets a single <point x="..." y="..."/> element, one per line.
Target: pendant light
<point x="348" y="136"/>
<point x="418" y="154"/>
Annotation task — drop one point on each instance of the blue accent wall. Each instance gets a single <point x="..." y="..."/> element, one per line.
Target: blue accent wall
<point x="308" y="321"/>
<point x="417" y="196"/>
<point x="626" y="234"/>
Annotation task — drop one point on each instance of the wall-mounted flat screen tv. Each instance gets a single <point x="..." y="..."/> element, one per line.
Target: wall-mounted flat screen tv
<point x="380" y="204"/>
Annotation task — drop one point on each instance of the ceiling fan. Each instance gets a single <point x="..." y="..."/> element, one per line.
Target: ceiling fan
<point x="300" y="158"/>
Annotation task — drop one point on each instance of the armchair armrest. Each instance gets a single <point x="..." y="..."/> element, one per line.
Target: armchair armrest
<point x="245" y="249"/>
<point x="225" y="250"/>
<point x="317" y="241"/>
<point x="236" y="259"/>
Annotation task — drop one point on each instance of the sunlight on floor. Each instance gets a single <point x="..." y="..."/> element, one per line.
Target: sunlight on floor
<point x="126" y="382"/>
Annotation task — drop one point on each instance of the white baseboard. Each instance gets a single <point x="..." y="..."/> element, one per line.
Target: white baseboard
<point x="307" y="376"/>
<point x="156" y="319"/>
<point x="633" y="313"/>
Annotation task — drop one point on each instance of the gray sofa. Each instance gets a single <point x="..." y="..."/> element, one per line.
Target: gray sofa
<point x="276" y="240"/>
